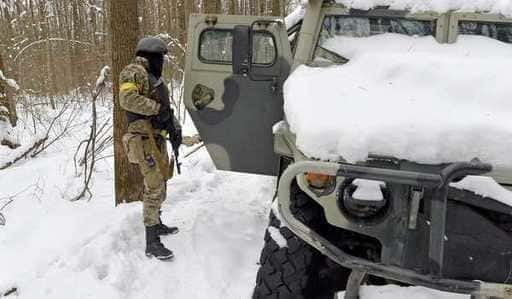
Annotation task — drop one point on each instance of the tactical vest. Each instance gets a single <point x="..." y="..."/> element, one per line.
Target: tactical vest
<point x="159" y="93"/>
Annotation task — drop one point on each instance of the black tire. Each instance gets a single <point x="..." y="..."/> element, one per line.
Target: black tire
<point x="298" y="270"/>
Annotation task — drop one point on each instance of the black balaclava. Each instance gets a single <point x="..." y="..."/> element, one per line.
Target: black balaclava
<point x="156" y="62"/>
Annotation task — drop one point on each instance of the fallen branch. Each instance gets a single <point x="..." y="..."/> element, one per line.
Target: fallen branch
<point x="24" y="155"/>
<point x="45" y="142"/>
<point x="12" y="291"/>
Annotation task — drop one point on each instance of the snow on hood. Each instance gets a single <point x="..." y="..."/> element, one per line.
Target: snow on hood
<point x="408" y="97"/>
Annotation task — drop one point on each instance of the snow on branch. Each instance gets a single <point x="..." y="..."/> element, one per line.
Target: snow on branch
<point x="53" y="39"/>
<point x="44" y="142"/>
<point x="100" y="82"/>
<point x="172" y="41"/>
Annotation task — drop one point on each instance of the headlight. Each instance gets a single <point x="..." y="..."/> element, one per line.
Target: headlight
<point x="320" y="184"/>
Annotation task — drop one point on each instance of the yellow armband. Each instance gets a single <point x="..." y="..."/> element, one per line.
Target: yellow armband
<point x="128" y="86"/>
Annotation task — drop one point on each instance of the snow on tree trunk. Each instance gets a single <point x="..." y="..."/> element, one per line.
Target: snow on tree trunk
<point x="6" y="98"/>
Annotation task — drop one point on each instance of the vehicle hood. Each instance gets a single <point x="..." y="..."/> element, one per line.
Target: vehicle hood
<point x="407" y="97"/>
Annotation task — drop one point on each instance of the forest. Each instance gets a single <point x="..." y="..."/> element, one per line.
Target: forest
<point x="52" y="53"/>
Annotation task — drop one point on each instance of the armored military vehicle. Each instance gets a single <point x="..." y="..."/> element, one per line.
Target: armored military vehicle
<point x="322" y="238"/>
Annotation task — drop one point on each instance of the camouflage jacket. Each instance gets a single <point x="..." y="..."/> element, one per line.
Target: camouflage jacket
<point x="134" y="93"/>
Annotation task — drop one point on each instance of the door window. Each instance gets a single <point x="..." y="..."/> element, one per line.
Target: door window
<point x="499" y="31"/>
<point x="216" y="45"/>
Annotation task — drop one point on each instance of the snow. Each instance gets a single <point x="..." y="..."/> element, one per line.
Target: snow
<point x="279" y="127"/>
<point x="441" y="6"/>
<point x="295" y="16"/>
<point x="503" y="7"/>
<point x="11" y="82"/>
<point x="102" y="77"/>
<point x="408" y="97"/>
<point x="276" y="235"/>
<point x="396" y="292"/>
<point x="368" y="190"/>
<point x="486" y="187"/>
<point x="53" y="248"/>
<point x="7" y="132"/>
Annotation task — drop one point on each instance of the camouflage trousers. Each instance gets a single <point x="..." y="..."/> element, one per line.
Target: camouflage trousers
<point x="138" y="150"/>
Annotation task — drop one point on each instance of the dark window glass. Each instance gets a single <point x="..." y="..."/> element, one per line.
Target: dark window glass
<point x="499" y="31"/>
<point x="216" y="47"/>
<point x="368" y="26"/>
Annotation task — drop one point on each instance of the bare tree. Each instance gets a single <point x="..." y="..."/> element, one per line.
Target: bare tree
<point x="276" y="8"/>
<point x="212" y="6"/>
<point x="123" y="34"/>
<point x="233" y="7"/>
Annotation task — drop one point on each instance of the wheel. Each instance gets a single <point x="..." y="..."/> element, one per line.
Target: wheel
<point x="290" y="268"/>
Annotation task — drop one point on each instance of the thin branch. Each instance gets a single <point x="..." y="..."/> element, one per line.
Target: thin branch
<point x="15" y="60"/>
<point x="90" y="145"/>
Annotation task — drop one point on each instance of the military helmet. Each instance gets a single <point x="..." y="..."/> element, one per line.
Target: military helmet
<point x="151" y="45"/>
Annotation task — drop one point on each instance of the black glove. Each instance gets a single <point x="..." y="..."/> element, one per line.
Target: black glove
<point x="164" y="114"/>
<point x="176" y="139"/>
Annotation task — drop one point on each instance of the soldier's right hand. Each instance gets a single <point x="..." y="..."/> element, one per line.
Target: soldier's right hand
<point x="164" y="114"/>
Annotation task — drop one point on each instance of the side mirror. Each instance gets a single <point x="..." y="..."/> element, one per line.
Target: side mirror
<point x="242" y="50"/>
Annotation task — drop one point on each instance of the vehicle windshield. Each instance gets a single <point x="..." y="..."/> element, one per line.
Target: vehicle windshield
<point x="356" y="26"/>
<point x="498" y="31"/>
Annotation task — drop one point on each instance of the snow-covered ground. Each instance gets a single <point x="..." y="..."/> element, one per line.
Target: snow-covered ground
<point x="53" y="248"/>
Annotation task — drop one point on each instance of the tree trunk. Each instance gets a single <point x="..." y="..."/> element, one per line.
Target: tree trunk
<point x="212" y="6"/>
<point x="123" y="33"/>
<point x="233" y="7"/>
<point x="6" y="98"/>
<point x="276" y="8"/>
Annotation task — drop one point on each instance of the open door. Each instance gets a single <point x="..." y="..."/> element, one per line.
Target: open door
<point x="234" y="113"/>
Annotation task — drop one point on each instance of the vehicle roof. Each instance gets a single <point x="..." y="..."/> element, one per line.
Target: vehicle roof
<point x="439" y="6"/>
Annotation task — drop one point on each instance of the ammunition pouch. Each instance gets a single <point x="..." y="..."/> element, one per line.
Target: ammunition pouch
<point x="133" y="147"/>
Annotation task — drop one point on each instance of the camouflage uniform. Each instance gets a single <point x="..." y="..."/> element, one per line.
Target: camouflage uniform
<point x="135" y="97"/>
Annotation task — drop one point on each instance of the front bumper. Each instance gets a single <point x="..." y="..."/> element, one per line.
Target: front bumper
<point x="438" y="182"/>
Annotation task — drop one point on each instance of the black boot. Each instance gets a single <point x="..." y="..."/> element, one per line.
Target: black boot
<point x="153" y="245"/>
<point x="166" y="230"/>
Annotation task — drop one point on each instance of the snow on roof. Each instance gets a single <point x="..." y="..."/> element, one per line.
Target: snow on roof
<point x="407" y="97"/>
<point x="295" y="16"/>
<point x="441" y="6"/>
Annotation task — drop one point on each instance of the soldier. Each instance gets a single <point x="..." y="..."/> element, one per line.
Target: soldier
<point x="145" y="98"/>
